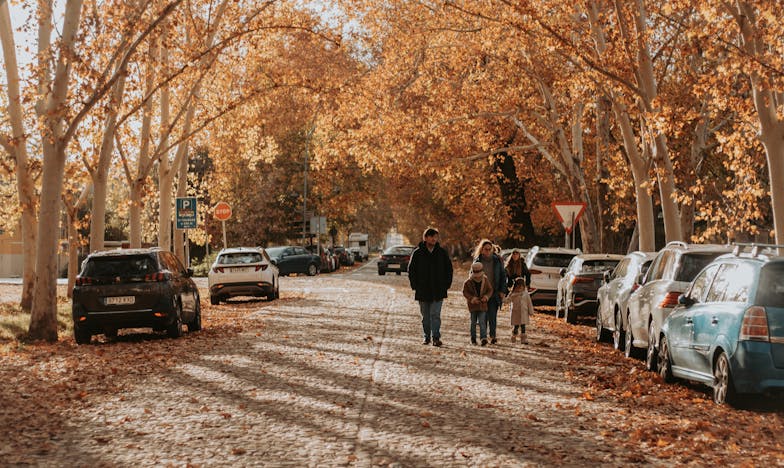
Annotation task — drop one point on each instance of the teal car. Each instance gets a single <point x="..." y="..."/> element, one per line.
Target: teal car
<point x="728" y="329"/>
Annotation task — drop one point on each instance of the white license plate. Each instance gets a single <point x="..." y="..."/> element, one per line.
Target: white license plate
<point x="241" y="270"/>
<point x="392" y="265"/>
<point x="119" y="300"/>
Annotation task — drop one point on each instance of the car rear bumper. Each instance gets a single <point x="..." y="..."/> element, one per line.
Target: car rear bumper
<point x="393" y="267"/>
<point x="255" y="288"/>
<point x="753" y="370"/>
<point x="544" y="296"/>
<point x="99" y="320"/>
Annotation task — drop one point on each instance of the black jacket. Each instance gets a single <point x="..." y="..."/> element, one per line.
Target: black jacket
<point x="430" y="273"/>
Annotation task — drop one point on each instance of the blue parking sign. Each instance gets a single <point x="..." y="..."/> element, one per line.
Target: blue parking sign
<point x="186" y="213"/>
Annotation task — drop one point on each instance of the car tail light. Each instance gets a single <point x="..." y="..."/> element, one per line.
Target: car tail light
<point x="670" y="300"/>
<point x="755" y="325"/>
<point x="384" y="257"/>
<point x="81" y="281"/>
<point x="406" y="259"/>
<point x="535" y="272"/>
<point x="218" y="269"/>
<point x="261" y="267"/>
<point x="635" y="287"/>
<point x="155" y="277"/>
<point x="582" y="279"/>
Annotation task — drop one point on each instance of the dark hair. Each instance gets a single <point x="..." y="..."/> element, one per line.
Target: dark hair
<point x="429" y="232"/>
<point x="482" y="243"/>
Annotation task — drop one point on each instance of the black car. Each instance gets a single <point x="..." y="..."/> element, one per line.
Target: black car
<point x="294" y="259"/>
<point x="134" y="288"/>
<point x="395" y="259"/>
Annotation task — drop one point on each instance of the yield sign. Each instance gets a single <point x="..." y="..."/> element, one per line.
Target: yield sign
<point x="569" y="213"/>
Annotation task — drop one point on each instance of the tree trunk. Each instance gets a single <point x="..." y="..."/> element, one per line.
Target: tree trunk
<point x="513" y="196"/>
<point x="24" y="181"/>
<point x="164" y="171"/>
<point x="182" y="191"/>
<point x="602" y="144"/>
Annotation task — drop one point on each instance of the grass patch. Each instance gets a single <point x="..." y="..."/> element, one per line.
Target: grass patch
<point x="14" y="322"/>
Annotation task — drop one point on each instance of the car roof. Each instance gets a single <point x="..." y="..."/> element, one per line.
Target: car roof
<point x="600" y="256"/>
<point x="239" y="249"/>
<point x="124" y="252"/>
<point x="537" y="249"/>
<point x="684" y="247"/>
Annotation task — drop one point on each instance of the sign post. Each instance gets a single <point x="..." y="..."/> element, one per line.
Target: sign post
<point x="186" y="219"/>
<point x="569" y="213"/>
<point x="222" y="212"/>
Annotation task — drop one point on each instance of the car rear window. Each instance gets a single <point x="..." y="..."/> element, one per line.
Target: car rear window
<point x="546" y="259"/>
<point x="771" y="286"/>
<point x="239" y="258"/>
<point x="398" y="251"/>
<point x="693" y="263"/>
<point x="598" y="266"/>
<point x="123" y="267"/>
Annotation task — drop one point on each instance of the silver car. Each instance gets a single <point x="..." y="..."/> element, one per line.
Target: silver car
<point x="545" y="264"/>
<point x="243" y="271"/>
<point x="670" y="274"/>
<point x="614" y="294"/>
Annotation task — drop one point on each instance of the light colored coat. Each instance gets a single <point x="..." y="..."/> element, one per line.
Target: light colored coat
<point x="469" y="292"/>
<point x="520" y="306"/>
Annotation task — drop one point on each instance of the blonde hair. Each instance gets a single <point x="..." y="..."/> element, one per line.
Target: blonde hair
<point x="482" y="243"/>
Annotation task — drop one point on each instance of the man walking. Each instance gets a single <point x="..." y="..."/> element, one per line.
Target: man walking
<point x="430" y="275"/>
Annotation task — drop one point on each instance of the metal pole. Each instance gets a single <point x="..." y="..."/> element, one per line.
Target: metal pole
<point x="572" y="234"/>
<point x="224" y="233"/>
<point x="187" y="250"/>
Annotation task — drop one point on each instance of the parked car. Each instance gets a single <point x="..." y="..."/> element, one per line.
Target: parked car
<point x="134" y="288"/>
<point x="358" y="253"/>
<point x="395" y="259"/>
<point x="294" y="259"/>
<point x="346" y="257"/>
<point x="329" y="260"/>
<point x="614" y="293"/>
<point x="674" y="267"/>
<point x="579" y="282"/>
<point x="545" y="265"/>
<point x="243" y="271"/>
<point x="728" y="331"/>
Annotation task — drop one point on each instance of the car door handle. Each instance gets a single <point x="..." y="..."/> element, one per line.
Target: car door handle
<point x="714" y="320"/>
<point x="689" y="321"/>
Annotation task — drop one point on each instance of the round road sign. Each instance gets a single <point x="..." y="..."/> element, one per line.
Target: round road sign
<point x="222" y="211"/>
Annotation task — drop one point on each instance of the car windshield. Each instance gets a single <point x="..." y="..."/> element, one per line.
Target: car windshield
<point x="398" y="251"/>
<point x="275" y="251"/>
<point x="239" y="258"/>
<point x="546" y="259"/>
<point x="693" y="263"/>
<point x="771" y="286"/>
<point x="598" y="266"/>
<point x="136" y="265"/>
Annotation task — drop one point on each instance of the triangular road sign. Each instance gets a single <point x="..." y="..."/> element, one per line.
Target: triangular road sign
<point x="569" y="213"/>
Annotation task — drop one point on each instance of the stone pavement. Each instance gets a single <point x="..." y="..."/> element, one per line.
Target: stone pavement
<point x="334" y="374"/>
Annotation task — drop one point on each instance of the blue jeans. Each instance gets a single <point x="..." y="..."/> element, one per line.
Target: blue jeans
<point x="431" y="319"/>
<point x="478" y="317"/>
<point x="492" y="314"/>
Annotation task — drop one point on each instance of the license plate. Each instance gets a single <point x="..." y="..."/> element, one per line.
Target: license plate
<point x="241" y="269"/>
<point x="392" y="265"/>
<point x="119" y="300"/>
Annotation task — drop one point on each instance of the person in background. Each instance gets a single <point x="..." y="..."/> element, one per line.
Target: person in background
<point x="515" y="268"/>
<point x="430" y="276"/>
<point x="477" y="291"/>
<point x="496" y="274"/>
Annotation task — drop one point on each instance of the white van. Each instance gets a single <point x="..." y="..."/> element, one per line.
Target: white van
<point x="358" y="243"/>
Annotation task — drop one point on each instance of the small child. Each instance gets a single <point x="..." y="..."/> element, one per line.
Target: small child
<point x="521" y="309"/>
<point x="477" y="291"/>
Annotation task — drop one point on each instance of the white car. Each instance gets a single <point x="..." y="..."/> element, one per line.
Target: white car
<point x="545" y="265"/>
<point x="614" y="294"/>
<point x="670" y="274"/>
<point x="243" y="271"/>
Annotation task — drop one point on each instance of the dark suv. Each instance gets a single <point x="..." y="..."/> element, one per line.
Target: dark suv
<point x="134" y="288"/>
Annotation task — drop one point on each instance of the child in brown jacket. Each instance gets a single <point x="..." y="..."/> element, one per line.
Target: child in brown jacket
<point x="477" y="291"/>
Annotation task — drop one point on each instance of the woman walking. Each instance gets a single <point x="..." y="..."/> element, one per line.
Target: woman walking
<point x="493" y="267"/>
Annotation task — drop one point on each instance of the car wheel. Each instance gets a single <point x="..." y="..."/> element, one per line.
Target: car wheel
<point x="174" y="330"/>
<point x="277" y="290"/>
<point x="664" y="363"/>
<point x="312" y="269"/>
<point x="110" y="333"/>
<point x="382" y="272"/>
<point x="618" y="334"/>
<point x="398" y="273"/>
<point x="195" y="325"/>
<point x="723" y="387"/>
<point x="82" y="334"/>
<point x="628" y="346"/>
<point x="558" y="307"/>
<point x="214" y="300"/>
<point x="650" y="355"/>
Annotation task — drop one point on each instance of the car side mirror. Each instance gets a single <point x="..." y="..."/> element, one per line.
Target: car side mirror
<point x="606" y="276"/>
<point x="685" y="300"/>
<point x="562" y="272"/>
<point x="274" y="261"/>
<point x="640" y="279"/>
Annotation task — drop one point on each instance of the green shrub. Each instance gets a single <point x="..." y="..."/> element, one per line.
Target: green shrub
<point x="203" y="268"/>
